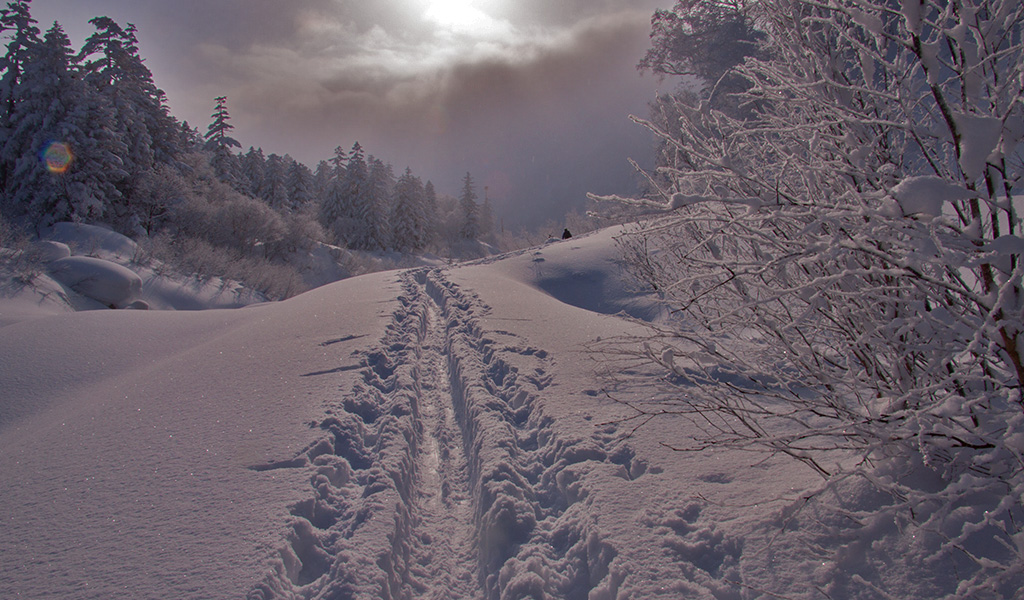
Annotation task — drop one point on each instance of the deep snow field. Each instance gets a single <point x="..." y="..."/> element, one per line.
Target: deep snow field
<point x="431" y="433"/>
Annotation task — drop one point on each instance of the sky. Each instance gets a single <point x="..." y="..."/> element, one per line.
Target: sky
<point x="532" y="97"/>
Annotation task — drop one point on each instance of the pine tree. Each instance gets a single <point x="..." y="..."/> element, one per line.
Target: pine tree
<point x="338" y="161"/>
<point x="430" y="209"/>
<point x="470" y="228"/>
<point x="16" y="18"/>
<point x="112" y="64"/>
<point x="65" y="154"/>
<point x="219" y="143"/>
<point x="299" y="184"/>
<point x="253" y="168"/>
<point x="337" y="213"/>
<point x="409" y="219"/>
<point x="486" y="217"/>
<point x="321" y="179"/>
<point x="371" y="209"/>
<point x="275" y="189"/>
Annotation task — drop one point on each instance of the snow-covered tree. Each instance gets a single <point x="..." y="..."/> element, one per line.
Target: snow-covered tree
<point x="486" y="218"/>
<point x="470" y="212"/>
<point x="112" y="64"/>
<point x="431" y="217"/>
<point x="64" y="156"/>
<point x="701" y="40"/>
<point x="17" y="24"/>
<point x="275" y="189"/>
<point x="219" y="143"/>
<point x="848" y="257"/>
<point x="337" y="211"/>
<point x="254" y="165"/>
<point x="371" y="209"/>
<point x="338" y="161"/>
<point x="299" y="184"/>
<point x="322" y="178"/>
<point x="409" y="219"/>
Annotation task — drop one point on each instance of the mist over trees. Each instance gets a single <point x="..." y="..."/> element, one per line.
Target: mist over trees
<point x="842" y="242"/>
<point x="87" y="136"/>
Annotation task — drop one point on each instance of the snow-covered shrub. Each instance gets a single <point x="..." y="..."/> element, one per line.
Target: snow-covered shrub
<point x="197" y="256"/>
<point x="15" y="255"/>
<point x="302" y="233"/>
<point x="247" y="225"/>
<point x="847" y="258"/>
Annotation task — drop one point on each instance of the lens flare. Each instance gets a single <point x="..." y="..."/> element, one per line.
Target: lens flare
<point x="57" y="157"/>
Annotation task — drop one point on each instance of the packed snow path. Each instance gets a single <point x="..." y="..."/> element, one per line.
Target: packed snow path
<point x="438" y="460"/>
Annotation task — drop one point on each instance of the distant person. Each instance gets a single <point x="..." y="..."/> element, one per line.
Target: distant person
<point x="566" y="235"/>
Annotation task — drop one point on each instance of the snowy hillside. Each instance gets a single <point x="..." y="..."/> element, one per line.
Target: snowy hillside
<point x="430" y="433"/>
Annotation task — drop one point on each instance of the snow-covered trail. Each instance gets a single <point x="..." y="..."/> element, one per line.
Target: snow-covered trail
<point x="438" y="476"/>
<point x="423" y="434"/>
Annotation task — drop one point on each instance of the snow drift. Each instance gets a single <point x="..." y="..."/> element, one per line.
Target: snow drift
<point x="428" y="433"/>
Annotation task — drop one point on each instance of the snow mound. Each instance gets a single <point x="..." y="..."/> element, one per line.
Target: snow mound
<point x="587" y="272"/>
<point x="101" y="280"/>
<point x="47" y="251"/>
<point x="94" y="240"/>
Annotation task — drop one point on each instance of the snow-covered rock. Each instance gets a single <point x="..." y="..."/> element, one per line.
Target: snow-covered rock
<point x="101" y="280"/>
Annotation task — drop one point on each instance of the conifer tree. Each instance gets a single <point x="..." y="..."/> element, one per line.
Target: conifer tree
<point x="470" y="228"/>
<point x="299" y="185"/>
<point x="431" y="217"/>
<point x="16" y="18"/>
<point x="371" y="209"/>
<point x="337" y="213"/>
<point x="275" y="189"/>
<point x="409" y="219"/>
<point x="65" y="155"/>
<point x="253" y="167"/>
<point x="322" y="178"/>
<point x="338" y="161"/>
<point x="112" y="64"/>
<point x="219" y="143"/>
<point x="486" y="217"/>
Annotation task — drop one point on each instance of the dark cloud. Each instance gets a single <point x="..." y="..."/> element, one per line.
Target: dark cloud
<point x="532" y="97"/>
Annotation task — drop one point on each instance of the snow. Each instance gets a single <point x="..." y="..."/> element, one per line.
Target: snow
<point x="101" y="280"/>
<point x="979" y="138"/>
<point x="926" y="195"/>
<point x="429" y="433"/>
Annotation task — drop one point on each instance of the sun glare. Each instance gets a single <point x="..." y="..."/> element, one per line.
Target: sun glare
<point x="459" y="15"/>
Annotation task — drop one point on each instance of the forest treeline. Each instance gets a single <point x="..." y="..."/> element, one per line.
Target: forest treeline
<point x="87" y="136"/>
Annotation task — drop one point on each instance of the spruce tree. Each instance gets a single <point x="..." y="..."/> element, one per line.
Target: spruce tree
<point x="470" y="228"/>
<point x="65" y="154"/>
<point x="219" y="143"/>
<point x="299" y="185"/>
<point x="409" y="219"/>
<point x="253" y="167"/>
<point x="24" y="36"/>
<point x="337" y="212"/>
<point x="275" y="189"/>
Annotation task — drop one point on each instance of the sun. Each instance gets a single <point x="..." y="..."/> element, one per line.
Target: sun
<point x="464" y="16"/>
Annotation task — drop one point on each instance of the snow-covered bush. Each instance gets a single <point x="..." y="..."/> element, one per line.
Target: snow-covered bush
<point x="847" y="260"/>
<point x="197" y="256"/>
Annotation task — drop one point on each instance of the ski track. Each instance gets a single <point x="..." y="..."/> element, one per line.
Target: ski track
<point x="438" y="475"/>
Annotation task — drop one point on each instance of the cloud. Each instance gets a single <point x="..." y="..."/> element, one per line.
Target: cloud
<point x="541" y="110"/>
<point x="532" y="96"/>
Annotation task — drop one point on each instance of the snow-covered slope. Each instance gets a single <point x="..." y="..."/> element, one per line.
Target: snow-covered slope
<point x="430" y="433"/>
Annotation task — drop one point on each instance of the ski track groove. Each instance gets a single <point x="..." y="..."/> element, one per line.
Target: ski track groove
<point x="442" y="434"/>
